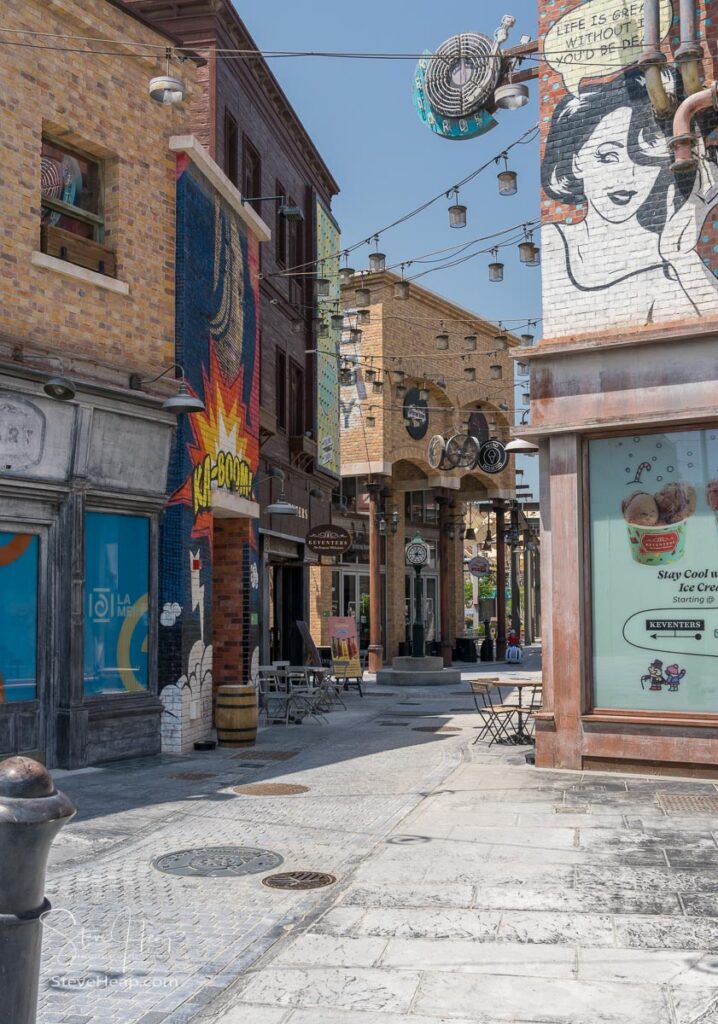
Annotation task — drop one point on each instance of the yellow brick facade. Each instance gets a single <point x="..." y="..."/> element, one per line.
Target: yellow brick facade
<point x="98" y="104"/>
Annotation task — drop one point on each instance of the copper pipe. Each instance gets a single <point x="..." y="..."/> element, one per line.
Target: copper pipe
<point x="682" y="142"/>
<point x="690" y="52"/>
<point x="653" y="58"/>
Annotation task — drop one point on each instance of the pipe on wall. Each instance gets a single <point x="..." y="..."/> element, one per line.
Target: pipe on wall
<point x="652" y="59"/>
<point x="690" y="53"/>
<point x="684" y="158"/>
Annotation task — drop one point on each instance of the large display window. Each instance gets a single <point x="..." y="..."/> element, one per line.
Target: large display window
<point x="117" y="574"/>
<point x="18" y="616"/>
<point x="654" y="554"/>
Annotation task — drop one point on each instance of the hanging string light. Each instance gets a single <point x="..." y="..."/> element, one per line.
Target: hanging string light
<point x="528" y="338"/>
<point x="496" y="269"/>
<point x="401" y="390"/>
<point x="323" y="331"/>
<point x="496" y="371"/>
<point x="322" y="285"/>
<point x="401" y="288"/>
<point x="369" y="375"/>
<point x="526" y="398"/>
<point x="371" y="419"/>
<point x="508" y="180"/>
<point x="470" y="342"/>
<point x="377" y="386"/>
<point x="363" y="297"/>
<point x="355" y="335"/>
<point x="527" y="248"/>
<point x="470" y="373"/>
<point x="501" y="340"/>
<point x="536" y="261"/>
<point x="457" y="212"/>
<point x="442" y="339"/>
<point x="423" y="395"/>
<point x="337" y="320"/>
<point x="346" y="273"/>
<point x="377" y="260"/>
<point x="363" y="317"/>
<point x="441" y="382"/>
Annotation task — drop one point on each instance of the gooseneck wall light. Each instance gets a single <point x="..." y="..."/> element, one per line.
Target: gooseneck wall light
<point x="182" y="402"/>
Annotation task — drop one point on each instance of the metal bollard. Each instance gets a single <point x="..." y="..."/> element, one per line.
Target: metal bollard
<point x="32" y="812"/>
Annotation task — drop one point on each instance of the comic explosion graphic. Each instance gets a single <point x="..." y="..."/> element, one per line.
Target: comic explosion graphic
<point x="224" y="456"/>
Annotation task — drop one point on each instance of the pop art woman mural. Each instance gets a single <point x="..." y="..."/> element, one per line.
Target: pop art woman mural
<point x="625" y="250"/>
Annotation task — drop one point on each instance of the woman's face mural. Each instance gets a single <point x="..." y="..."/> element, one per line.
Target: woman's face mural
<point x="613" y="183"/>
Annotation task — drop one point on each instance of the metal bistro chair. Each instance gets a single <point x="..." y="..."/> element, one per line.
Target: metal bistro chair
<point x="496" y="718"/>
<point x="344" y="680"/>
<point x="277" y="700"/>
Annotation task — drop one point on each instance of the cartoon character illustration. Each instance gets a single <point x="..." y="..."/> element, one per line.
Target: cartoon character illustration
<point x="655" y="676"/>
<point x="674" y="674"/>
<point x="606" y="152"/>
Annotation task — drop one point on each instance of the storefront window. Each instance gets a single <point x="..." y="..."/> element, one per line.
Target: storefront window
<point x="18" y="616"/>
<point x="116" y="601"/>
<point x="654" y="541"/>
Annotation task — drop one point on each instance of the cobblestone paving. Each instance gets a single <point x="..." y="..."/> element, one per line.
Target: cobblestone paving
<point x="471" y="887"/>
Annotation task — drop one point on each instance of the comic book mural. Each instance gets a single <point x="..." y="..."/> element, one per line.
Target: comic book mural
<point x="625" y="240"/>
<point x="328" y="244"/>
<point x="216" y="450"/>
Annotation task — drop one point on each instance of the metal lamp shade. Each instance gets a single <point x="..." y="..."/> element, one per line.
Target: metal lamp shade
<point x="526" y="398"/>
<point x="501" y="342"/>
<point x="363" y="317"/>
<point x="521" y="368"/>
<point x="371" y="422"/>
<point x="528" y="339"/>
<point x="183" y="402"/>
<point x="471" y="533"/>
<point x="536" y="261"/>
<point x="496" y="272"/>
<point x="378" y="386"/>
<point x="323" y="330"/>
<point x="292" y="213"/>
<point x="60" y="388"/>
<point x="520" y="446"/>
<point x="401" y="390"/>
<point x="167" y="90"/>
<point x="508" y="183"/>
<point x="441" y="382"/>
<point x="323" y="285"/>
<point x="470" y="341"/>
<point x="355" y="335"/>
<point x="423" y="395"/>
<point x="496" y="371"/>
<point x="511" y="96"/>
<point x="377" y="262"/>
<point x="527" y="251"/>
<point x="282" y="507"/>
<point x="337" y="321"/>
<point x="369" y="375"/>
<point x="346" y="275"/>
<point x="442" y="341"/>
<point x="470" y="373"/>
<point x="401" y="290"/>
<point x="457" y="216"/>
<point x="363" y="297"/>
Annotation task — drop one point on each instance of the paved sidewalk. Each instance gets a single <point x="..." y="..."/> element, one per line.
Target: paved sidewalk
<point x="470" y="886"/>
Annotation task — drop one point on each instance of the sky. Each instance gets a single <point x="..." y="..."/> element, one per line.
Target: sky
<point x="361" y="117"/>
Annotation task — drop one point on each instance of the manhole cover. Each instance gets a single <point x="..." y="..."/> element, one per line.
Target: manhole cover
<point x="689" y="803"/>
<point x="435" y="728"/>
<point x="270" y="789"/>
<point x="299" y="880"/>
<point x="381" y="694"/>
<point x="194" y="776"/>
<point x="408" y="840"/>
<point x="218" y="862"/>
<point x="265" y="755"/>
<point x="393" y="723"/>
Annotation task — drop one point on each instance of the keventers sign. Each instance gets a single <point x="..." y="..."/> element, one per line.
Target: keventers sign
<point x="328" y="540"/>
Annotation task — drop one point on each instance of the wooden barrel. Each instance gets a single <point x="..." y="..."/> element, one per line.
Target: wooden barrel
<point x="236" y="716"/>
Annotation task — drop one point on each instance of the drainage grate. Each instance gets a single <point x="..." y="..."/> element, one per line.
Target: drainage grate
<point x="265" y="755"/>
<point x="270" y="789"/>
<point x="688" y="803"/>
<point x="194" y="776"/>
<point x="299" y="880"/>
<point x="392" y="723"/>
<point x="436" y="728"/>
<point x="218" y="862"/>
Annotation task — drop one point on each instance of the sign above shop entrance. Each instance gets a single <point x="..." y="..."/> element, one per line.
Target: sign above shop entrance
<point x="480" y="566"/>
<point x="328" y="540"/>
<point x="416" y="414"/>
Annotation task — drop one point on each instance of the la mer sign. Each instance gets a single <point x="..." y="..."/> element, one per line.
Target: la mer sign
<point x="328" y="540"/>
<point x="22" y="434"/>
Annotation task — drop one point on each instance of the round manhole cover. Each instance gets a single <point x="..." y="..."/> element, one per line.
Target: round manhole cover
<point x="435" y="728"/>
<point x="218" y="862"/>
<point x="299" y="880"/>
<point x="270" y="789"/>
<point x="408" y="840"/>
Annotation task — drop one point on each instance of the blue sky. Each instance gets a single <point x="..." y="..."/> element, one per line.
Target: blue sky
<point x="361" y="116"/>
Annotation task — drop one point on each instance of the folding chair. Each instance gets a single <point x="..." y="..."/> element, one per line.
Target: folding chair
<point x="496" y="718"/>
<point x="276" y="700"/>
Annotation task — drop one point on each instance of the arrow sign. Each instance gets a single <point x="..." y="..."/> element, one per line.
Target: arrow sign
<point x="676" y="625"/>
<point x="658" y="630"/>
<point x="696" y="636"/>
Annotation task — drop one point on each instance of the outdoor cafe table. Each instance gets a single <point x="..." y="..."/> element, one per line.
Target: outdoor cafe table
<point x="521" y="736"/>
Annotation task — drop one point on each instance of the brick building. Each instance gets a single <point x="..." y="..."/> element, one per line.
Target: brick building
<point x="623" y="390"/>
<point x="87" y="296"/>
<point x="244" y="120"/>
<point x="412" y="369"/>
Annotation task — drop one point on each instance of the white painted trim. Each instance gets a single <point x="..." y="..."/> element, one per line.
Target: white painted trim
<point x="367" y="468"/>
<point x="215" y="175"/>
<point x="111" y="284"/>
<point x="227" y="505"/>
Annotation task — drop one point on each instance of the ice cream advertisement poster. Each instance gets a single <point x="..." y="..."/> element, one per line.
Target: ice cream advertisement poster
<point x="345" y="647"/>
<point x="654" y="552"/>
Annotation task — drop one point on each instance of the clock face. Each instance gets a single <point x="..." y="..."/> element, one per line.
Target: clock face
<point x="416" y="554"/>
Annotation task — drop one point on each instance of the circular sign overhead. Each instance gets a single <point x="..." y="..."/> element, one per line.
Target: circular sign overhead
<point x="462" y="451"/>
<point x="492" y="457"/>
<point x="328" y="540"/>
<point x="480" y="566"/>
<point x="463" y="74"/>
<point x="416" y="414"/>
<point x="437" y="450"/>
